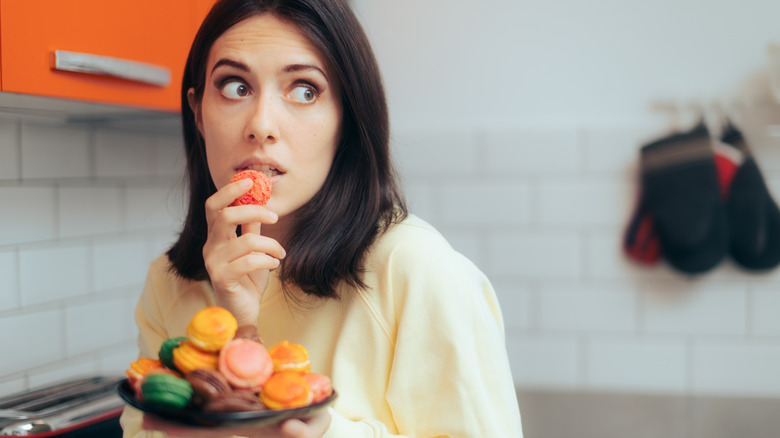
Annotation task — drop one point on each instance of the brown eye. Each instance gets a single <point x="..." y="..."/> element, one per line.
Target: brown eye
<point x="304" y="94"/>
<point x="234" y="90"/>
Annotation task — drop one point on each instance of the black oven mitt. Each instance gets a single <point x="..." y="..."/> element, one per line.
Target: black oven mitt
<point x="752" y="213"/>
<point x="680" y="191"/>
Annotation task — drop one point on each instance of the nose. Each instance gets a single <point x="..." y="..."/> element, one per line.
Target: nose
<point x="262" y="125"/>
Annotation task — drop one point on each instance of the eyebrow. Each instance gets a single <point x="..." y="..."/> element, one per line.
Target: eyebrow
<point x="231" y="63"/>
<point x="292" y="68"/>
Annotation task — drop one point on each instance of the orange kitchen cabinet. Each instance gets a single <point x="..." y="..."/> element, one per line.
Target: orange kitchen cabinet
<point x="130" y="53"/>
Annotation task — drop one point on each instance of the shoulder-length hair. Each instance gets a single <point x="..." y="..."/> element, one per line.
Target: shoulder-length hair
<point x="360" y="197"/>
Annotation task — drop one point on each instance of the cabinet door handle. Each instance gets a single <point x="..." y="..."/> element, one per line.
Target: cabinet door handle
<point x="108" y="66"/>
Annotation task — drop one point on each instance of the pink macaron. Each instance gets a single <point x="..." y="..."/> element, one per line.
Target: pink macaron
<point x="320" y="385"/>
<point x="245" y="364"/>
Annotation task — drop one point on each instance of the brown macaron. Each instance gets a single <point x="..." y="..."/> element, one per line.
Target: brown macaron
<point x="239" y="400"/>
<point x="248" y="332"/>
<point x="206" y="385"/>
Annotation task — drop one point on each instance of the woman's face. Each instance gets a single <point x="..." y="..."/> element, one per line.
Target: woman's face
<point x="269" y="104"/>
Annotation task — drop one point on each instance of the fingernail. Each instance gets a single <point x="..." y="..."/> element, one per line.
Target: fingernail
<point x="245" y="182"/>
<point x="284" y="253"/>
<point x="274" y="216"/>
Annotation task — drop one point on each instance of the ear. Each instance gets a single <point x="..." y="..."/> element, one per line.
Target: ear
<point x="195" y="107"/>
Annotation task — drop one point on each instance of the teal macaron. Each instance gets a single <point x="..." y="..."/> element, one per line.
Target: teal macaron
<point x="166" y="391"/>
<point x="166" y="351"/>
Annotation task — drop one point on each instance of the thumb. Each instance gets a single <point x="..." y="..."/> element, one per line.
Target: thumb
<point x="293" y="428"/>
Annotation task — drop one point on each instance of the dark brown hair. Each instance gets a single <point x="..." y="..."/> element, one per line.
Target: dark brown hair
<point x="360" y="196"/>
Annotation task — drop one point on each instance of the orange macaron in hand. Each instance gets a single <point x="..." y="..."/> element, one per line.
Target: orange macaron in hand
<point x="260" y="191"/>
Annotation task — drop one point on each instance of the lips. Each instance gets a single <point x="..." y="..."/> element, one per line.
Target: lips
<point x="269" y="170"/>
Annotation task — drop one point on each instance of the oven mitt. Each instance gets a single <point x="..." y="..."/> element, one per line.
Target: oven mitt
<point x="680" y="189"/>
<point x="752" y="213"/>
<point x="640" y="241"/>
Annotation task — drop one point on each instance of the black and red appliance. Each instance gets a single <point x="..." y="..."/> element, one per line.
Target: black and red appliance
<point x="78" y="408"/>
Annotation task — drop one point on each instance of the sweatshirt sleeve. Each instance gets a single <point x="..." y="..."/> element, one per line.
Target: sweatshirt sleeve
<point x="450" y="374"/>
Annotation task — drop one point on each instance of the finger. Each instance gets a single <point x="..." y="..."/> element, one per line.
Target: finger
<point x="252" y="262"/>
<point x="226" y="274"/>
<point x="250" y="228"/>
<point x="294" y="429"/>
<point x="225" y="222"/>
<point x="313" y="426"/>
<point x="225" y="196"/>
<point x="249" y="243"/>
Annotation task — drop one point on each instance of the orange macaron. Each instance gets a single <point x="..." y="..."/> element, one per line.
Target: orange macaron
<point x="141" y="367"/>
<point x="188" y="358"/>
<point x="211" y="328"/>
<point x="290" y="357"/>
<point x="246" y="364"/>
<point x="286" y="390"/>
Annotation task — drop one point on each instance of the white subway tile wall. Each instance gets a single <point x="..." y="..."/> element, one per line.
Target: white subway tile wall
<point x="28" y="214"/>
<point x="54" y="151"/>
<point x="37" y="326"/>
<point x="124" y="154"/>
<point x="736" y="366"/>
<point x="546" y="360"/>
<point x="540" y="209"/>
<point x="764" y="302"/>
<point x="637" y="364"/>
<point x="84" y="209"/>
<point x="9" y="272"/>
<point x="587" y="307"/>
<point x="9" y="150"/>
<point x="53" y="272"/>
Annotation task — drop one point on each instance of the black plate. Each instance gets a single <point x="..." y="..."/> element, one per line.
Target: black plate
<point x="211" y="419"/>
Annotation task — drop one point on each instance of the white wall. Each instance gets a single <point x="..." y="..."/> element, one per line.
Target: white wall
<point x="83" y="210"/>
<point x="504" y="61"/>
<point x="517" y="126"/>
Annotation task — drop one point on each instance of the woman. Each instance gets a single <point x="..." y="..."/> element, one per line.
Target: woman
<point x="408" y="330"/>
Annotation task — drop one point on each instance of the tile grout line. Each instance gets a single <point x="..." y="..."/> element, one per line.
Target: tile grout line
<point x="92" y="147"/>
<point x="18" y="277"/>
<point x="18" y="140"/>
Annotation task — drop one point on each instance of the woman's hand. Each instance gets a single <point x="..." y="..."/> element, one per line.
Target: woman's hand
<point x="312" y="427"/>
<point x="239" y="266"/>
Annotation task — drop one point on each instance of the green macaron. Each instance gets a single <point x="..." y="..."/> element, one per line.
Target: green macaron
<point x="166" y="351"/>
<point x="166" y="391"/>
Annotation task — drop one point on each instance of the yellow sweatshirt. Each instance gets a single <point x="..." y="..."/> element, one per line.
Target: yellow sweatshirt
<point x="419" y="353"/>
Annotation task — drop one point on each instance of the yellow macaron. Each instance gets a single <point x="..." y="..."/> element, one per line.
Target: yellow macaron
<point x="188" y="358"/>
<point x="211" y="328"/>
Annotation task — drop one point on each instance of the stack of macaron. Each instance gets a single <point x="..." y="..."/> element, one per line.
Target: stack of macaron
<point x="220" y="367"/>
